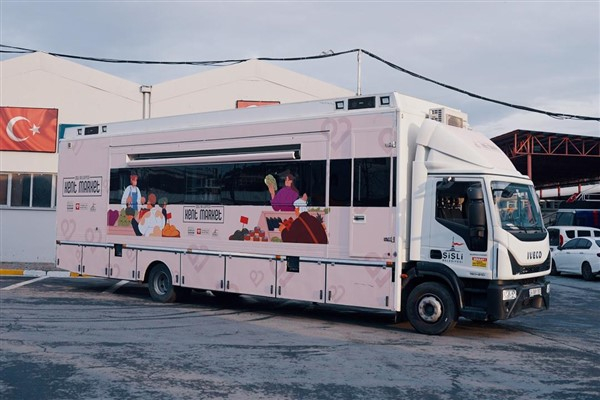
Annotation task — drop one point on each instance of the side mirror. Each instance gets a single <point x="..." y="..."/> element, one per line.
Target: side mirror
<point x="477" y="221"/>
<point x="476" y="207"/>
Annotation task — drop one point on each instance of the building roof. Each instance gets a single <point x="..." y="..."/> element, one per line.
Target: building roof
<point x="253" y="80"/>
<point x="81" y="94"/>
<point x="86" y="95"/>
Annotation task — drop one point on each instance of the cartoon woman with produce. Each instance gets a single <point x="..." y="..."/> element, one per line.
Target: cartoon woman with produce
<point x="305" y="228"/>
<point x="284" y="198"/>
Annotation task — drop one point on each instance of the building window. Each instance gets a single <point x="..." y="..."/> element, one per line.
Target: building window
<point x="41" y="195"/>
<point x="28" y="190"/>
<point x="20" y="190"/>
<point x="3" y="189"/>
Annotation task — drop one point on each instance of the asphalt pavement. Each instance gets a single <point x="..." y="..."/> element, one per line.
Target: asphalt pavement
<point x="95" y="338"/>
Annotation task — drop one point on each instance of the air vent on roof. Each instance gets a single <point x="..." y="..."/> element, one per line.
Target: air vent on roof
<point x="361" y="102"/>
<point x="449" y="117"/>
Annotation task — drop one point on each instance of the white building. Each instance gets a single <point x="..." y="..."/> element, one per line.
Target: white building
<point x="83" y="95"/>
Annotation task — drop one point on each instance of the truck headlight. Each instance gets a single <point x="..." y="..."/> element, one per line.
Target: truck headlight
<point x="509" y="294"/>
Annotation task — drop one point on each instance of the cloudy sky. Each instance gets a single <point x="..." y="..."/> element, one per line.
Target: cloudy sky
<point x="539" y="54"/>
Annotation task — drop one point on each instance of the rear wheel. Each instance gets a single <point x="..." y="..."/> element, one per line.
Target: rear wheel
<point x="554" y="271"/>
<point x="160" y="284"/>
<point x="586" y="271"/>
<point x="431" y="308"/>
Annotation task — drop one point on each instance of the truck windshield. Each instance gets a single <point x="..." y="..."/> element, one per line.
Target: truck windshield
<point x="517" y="207"/>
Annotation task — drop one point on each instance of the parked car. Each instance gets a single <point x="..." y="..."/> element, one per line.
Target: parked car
<point x="578" y="256"/>
<point x="559" y="235"/>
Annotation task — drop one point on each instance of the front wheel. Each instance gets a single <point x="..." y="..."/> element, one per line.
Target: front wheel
<point x="160" y="284"/>
<point x="431" y="308"/>
<point x="586" y="271"/>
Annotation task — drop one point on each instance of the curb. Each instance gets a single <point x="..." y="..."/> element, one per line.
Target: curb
<point x="37" y="273"/>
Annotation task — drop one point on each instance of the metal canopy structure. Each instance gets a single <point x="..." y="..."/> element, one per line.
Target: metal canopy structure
<point x="553" y="159"/>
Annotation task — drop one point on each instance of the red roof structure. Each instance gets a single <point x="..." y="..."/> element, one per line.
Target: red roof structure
<point x="553" y="159"/>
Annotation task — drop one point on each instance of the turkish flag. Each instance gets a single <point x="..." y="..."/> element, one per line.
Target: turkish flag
<point x="28" y="129"/>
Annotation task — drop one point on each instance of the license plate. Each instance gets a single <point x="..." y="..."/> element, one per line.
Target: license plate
<point x="535" y="292"/>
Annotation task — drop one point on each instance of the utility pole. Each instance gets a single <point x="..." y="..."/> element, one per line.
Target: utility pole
<point x="358" y="59"/>
<point x="146" y="100"/>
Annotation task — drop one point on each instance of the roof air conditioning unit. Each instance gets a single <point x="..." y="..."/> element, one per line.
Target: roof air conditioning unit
<point x="449" y="117"/>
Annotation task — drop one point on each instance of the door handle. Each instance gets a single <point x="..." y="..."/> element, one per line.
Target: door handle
<point x="435" y="254"/>
<point x="359" y="218"/>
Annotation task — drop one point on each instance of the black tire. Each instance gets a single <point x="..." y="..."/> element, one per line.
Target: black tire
<point x="431" y="308"/>
<point x="484" y="321"/>
<point x="586" y="271"/>
<point x="553" y="270"/>
<point x="160" y="284"/>
<point x="183" y="293"/>
<point x="225" y="296"/>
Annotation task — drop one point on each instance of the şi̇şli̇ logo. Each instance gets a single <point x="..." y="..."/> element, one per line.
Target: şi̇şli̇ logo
<point x="452" y="254"/>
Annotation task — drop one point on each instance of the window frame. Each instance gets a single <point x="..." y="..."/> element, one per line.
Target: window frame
<point x="453" y="214"/>
<point x="31" y="177"/>
<point x="310" y="178"/>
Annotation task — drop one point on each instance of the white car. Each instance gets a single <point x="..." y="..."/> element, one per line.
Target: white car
<point x="559" y="235"/>
<point x="578" y="256"/>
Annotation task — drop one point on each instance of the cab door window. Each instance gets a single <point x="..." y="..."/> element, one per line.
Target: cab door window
<point x="453" y="210"/>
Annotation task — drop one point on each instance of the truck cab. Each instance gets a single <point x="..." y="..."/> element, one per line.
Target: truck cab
<point x="476" y="227"/>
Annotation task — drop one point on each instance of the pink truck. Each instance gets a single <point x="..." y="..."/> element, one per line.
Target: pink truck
<point x="385" y="202"/>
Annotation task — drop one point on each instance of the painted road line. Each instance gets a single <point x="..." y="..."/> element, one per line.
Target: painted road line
<point x="17" y="285"/>
<point x="115" y="287"/>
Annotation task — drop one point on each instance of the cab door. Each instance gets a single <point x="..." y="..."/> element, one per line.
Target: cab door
<point x="458" y="226"/>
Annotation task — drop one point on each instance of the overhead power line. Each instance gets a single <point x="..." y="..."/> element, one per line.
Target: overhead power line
<point x="557" y="115"/>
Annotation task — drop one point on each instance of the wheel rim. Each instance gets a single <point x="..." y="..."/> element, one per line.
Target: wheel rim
<point x="430" y="308"/>
<point x="162" y="283"/>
